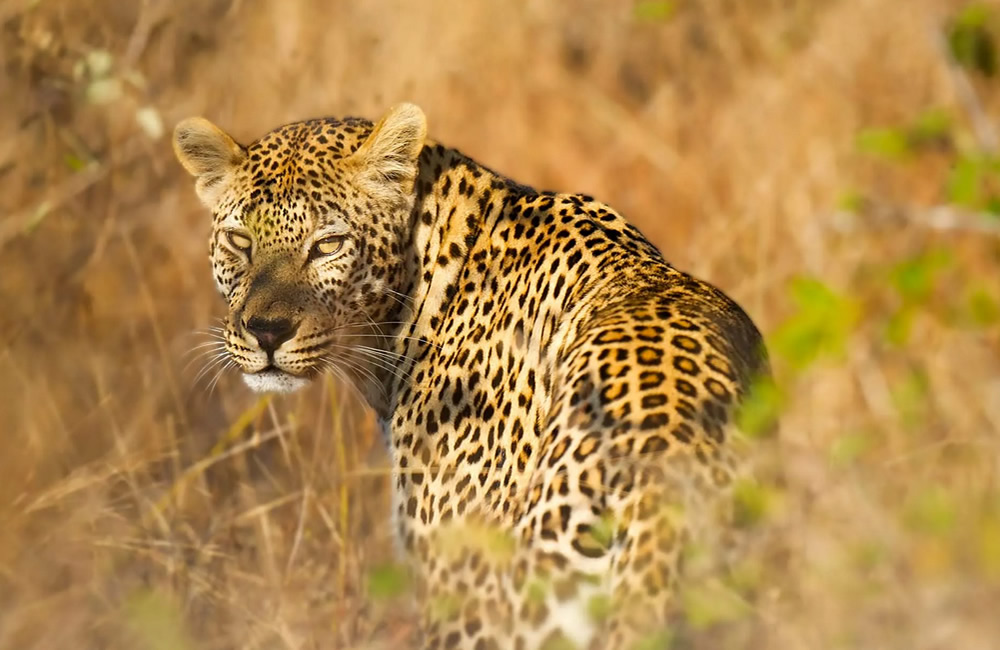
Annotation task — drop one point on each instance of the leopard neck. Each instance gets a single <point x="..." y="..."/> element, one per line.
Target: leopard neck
<point x="457" y="201"/>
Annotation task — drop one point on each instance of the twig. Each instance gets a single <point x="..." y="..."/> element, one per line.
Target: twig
<point x="943" y="218"/>
<point x="23" y="221"/>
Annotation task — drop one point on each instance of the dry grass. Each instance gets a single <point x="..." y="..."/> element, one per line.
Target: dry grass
<point x="138" y="510"/>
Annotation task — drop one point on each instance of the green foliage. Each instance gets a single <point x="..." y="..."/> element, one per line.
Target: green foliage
<point x="888" y="143"/>
<point x="930" y="130"/>
<point x="599" y="607"/>
<point x="558" y="642"/>
<point x="753" y="502"/>
<point x="748" y="575"/>
<point x="387" y="581"/>
<point x="499" y="544"/>
<point x="981" y="308"/>
<point x="758" y="414"/>
<point x="820" y="327"/>
<point x="654" y="10"/>
<point x="988" y="544"/>
<point x="851" y="201"/>
<point x="974" y="182"/>
<point x="849" y="447"/>
<point x="445" y="606"/>
<point x="971" y="39"/>
<point x="156" y="622"/>
<point x="931" y="127"/>
<point x="868" y="554"/>
<point x="711" y="602"/>
<point x="74" y="162"/>
<point x="660" y="641"/>
<point x="915" y="278"/>
<point x="495" y="543"/>
<point x="899" y="325"/>
<point x="910" y="395"/>
<point x="537" y="590"/>
<point x="603" y="531"/>
<point x="931" y="511"/>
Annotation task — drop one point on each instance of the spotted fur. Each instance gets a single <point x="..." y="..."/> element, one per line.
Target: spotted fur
<point x="556" y="398"/>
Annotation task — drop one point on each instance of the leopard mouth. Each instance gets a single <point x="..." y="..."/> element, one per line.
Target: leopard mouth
<point x="274" y="380"/>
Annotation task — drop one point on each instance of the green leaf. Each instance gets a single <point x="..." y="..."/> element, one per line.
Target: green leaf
<point x="931" y="125"/>
<point x="911" y="396"/>
<point x="973" y="181"/>
<point x="889" y="143"/>
<point x="975" y="14"/>
<point x="387" y="581"/>
<point x="156" y="622"/>
<point x="603" y="531"/>
<point x="897" y="329"/>
<point x="599" y="607"/>
<point x="658" y="641"/>
<point x="989" y="546"/>
<point x="964" y="180"/>
<point x="74" y="162"/>
<point x="558" y="641"/>
<point x="709" y="603"/>
<point x="851" y="201"/>
<point x="445" y="606"/>
<point x="869" y="554"/>
<point x="983" y="308"/>
<point x="820" y="327"/>
<point x="748" y="575"/>
<point x="758" y="413"/>
<point x="971" y="41"/>
<point x="849" y="447"/>
<point x="655" y="10"/>
<point x="753" y="502"/>
<point x="537" y="590"/>
<point x="916" y="278"/>
<point x="931" y="511"/>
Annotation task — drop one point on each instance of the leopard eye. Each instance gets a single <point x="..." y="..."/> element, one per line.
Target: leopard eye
<point x="327" y="246"/>
<point x="239" y="241"/>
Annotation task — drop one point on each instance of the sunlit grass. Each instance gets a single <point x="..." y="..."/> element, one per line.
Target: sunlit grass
<point x="832" y="165"/>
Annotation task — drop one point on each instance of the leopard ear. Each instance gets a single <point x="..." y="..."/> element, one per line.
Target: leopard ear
<point x="387" y="160"/>
<point x="208" y="153"/>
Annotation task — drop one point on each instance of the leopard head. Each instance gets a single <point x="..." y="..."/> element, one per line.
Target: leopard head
<point x="309" y="225"/>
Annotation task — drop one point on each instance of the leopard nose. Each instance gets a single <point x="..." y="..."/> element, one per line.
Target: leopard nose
<point x="271" y="333"/>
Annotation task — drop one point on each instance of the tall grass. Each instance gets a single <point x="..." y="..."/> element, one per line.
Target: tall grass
<point x="831" y="164"/>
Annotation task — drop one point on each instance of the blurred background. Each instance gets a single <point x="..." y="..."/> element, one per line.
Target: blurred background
<point x="831" y="164"/>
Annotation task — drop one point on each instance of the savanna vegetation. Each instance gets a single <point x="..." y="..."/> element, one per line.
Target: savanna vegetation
<point x="832" y="164"/>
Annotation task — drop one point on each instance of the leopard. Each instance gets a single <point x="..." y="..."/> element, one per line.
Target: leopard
<point x="559" y="404"/>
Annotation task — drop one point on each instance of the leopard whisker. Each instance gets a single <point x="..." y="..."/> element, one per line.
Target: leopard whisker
<point x="208" y="357"/>
<point x="229" y="364"/>
<point x="378" y="362"/>
<point x="333" y="366"/>
<point x="212" y="345"/>
<point x="212" y="363"/>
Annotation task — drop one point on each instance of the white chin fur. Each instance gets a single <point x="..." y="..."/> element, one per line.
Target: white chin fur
<point x="274" y="381"/>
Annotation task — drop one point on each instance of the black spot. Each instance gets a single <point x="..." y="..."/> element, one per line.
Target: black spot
<point x="654" y="421"/>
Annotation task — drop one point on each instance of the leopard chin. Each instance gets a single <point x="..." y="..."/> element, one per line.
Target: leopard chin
<point x="274" y="381"/>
